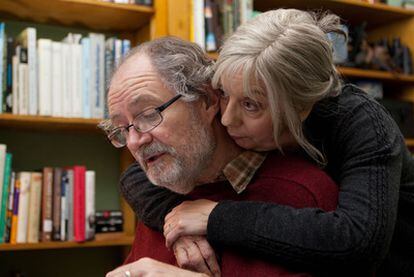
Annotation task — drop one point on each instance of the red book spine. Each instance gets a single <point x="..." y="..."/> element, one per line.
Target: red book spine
<point x="79" y="202"/>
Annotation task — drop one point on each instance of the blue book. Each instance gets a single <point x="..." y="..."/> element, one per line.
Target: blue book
<point x="5" y="195"/>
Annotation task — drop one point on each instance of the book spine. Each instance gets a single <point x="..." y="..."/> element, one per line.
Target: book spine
<point x="57" y="179"/>
<point x="79" y="202"/>
<point x="3" y="148"/>
<point x="15" y="217"/>
<point x="86" y="77"/>
<point x="90" y="204"/>
<point x="9" y="76"/>
<point x="47" y="202"/>
<point x="16" y="101"/>
<point x="63" y="215"/>
<point x="45" y="73"/>
<point x="10" y="208"/>
<point x="23" y="207"/>
<point x="34" y="207"/>
<point x="70" y="204"/>
<point x="57" y="79"/>
<point x="2" y="54"/>
<point x="32" y="71"/>
<point x="5" y="196"/>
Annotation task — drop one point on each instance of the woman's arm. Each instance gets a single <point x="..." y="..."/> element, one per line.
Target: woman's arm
<point x="151" y="203"/>
<point x="358" y="232"/>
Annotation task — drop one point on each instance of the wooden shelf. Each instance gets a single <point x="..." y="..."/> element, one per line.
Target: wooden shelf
<point x="101" y="240"/>
<point x="409" y="142"/>
<point x="45" y="123"/>
<point x="376" y="74"/>
<point x="354" y="11"/>
<point x="89" y="14"/>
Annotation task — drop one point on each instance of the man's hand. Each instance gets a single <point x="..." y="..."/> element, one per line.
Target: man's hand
<point x="147" y="267"/>
<point x="188" y="218"/>
<point x="196" y="254"/>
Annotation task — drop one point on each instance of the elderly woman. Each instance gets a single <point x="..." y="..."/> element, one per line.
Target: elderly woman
<point x="277" y="74"/>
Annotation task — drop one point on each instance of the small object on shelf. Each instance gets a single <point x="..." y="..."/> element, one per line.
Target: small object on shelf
<point x="108" y="221"/>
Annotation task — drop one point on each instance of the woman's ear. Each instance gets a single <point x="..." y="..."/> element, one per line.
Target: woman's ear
<point x="212" y="103"/>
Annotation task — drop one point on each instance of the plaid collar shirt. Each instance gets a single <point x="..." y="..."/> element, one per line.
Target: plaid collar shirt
<point x="240" y="171"/>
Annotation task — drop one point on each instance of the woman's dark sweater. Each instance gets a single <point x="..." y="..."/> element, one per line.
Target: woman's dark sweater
<point x="368" y="159"/>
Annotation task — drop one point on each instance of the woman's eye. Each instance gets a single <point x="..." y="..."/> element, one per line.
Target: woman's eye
<point x="250" y="106"/>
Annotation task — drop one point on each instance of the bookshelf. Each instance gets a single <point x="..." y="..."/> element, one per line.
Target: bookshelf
<point x="101" y="240"/>
<point x="42" y="140"/>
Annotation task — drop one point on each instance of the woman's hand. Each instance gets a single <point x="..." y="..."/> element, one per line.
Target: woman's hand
<point x="195" y="253"/>
<point x="188" y="218"/>
<point x="147" y="267"/>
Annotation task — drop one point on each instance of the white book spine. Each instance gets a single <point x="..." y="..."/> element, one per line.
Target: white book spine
<point x="32" y="71"/>
<point x="57" y="87"/>
<point x="66" y="78"/>
<point x="199" y="23"/>
<point x="90" y="204"/>
<point x="35" y="201"/>
<point x="23" y="89"/>
<point x="94" y="75"/>
<point x="86" y="77"/>
<point x="100" y="104"/>
<point x="77" y="80"/>
<point x="23" y="209"/>
<point x="45" y="76"/>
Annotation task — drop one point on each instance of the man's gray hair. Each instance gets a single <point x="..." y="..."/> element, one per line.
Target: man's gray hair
<point x="183" y="66"/>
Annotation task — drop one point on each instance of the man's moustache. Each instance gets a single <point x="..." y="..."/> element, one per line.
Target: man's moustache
<point x="155" y="148"/>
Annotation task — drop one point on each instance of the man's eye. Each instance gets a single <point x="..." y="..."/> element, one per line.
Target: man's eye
<point x="250" y="106"/>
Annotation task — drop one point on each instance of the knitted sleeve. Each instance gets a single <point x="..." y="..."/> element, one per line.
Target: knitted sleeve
<point x="357" y="233"/>
<point x="150" y="203"/>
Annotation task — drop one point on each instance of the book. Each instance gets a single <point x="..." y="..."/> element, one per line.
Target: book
<point x="69" y="204"/>
<point x="79" y="203"/>
<point x="15" y="216"/>
<point x="44" y="48"/>
<point x="86" y="77"/>
<point x="63" y="205"/>
<point x="27" y="39"/>
<point x="8" y="108"/>
<point x="57" y="79"/>
<point x="5" y="196"/>
<point x="35" y="197"/>
<point x="90" y="205"/>
<point x="23" y="211"/>
<point x="2" y="66"/>
<point x="10" y="205"/>
<point x="56" y="210"/>
<point x="3" y="148"/>
<point x="47" y="202"/>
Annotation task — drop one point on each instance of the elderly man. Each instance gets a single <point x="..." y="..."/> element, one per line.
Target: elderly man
<point x="163" y="109"/>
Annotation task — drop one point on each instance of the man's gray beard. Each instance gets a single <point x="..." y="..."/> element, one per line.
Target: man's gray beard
<point x="189" y="161"/>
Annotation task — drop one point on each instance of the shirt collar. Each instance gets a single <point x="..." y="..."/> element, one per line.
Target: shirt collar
<point x="240" y="171"/>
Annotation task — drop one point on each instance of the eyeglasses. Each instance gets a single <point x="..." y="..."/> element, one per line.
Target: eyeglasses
<point x="143" y="123"/>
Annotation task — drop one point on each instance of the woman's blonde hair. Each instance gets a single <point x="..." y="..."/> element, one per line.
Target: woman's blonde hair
<point x="289" y="52"/>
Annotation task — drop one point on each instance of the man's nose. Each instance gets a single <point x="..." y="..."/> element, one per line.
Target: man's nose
<point x="230" y="115"/>
<point x="136" y="139"/>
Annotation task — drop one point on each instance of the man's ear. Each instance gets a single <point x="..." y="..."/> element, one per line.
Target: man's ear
<point x="212" y="103"/>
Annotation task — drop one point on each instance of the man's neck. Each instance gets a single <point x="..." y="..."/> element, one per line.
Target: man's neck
<point x="226" y="150"/>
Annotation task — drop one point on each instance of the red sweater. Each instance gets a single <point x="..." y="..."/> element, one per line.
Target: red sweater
<point x="286" y="180"/>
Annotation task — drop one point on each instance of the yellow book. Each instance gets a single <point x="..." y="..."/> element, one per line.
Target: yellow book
<point x="13" y="233"/>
